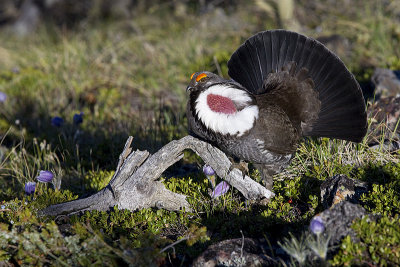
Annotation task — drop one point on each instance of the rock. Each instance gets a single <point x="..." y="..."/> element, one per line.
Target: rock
<point x="385" y="114"/>
<point x="386" y="109"/>
<point x="397" y="73"/>
<point x="338" y="220"/>
<point x="340" y="188"/>
<point x="387" y="146"/>
<point x="386" y="82"/>
<point x="230" y="253"/>
<point x="28" y="18"/>
<point x="384" y="132"/>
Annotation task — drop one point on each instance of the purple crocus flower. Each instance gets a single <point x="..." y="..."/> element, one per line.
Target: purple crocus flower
<point x="208" y="170"/>
<point x="317" y="225"/>
<point x="57" y="121"/>
<point x="220" y="189"/>
<point x="30" y="188"/>
<point x="78" y="118"/>
<point x="15" y="70"/>
<point x="45" y="176"/>
<point x="3" y="97"/>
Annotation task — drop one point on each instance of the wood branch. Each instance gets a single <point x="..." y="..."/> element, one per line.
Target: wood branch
<point x="135" y="186"/>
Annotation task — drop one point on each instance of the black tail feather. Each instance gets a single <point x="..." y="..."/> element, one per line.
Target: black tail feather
<point x="342" y="113"/>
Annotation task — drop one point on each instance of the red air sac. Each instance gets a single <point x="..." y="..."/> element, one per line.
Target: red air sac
<point x="221" y="104"/>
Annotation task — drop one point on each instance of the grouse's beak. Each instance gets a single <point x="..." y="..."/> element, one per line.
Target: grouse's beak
<point x="189" y="88"/>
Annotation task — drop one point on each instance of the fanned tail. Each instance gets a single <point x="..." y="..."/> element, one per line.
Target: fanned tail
<point x="342" y="113"/>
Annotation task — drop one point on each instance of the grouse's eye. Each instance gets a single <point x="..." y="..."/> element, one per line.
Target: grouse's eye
<point x="201" y="77"/>
<point x="191" y="76"/>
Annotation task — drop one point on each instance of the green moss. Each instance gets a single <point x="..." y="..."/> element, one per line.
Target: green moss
<point x="95" y="181"/>
<point x="380" y="173"/>
<point x="4" y="125"/>
<point x="288" y="195"/>
<point x="379" y="244"/>
<point x="45" y="196"/>
<point x="382" y="199"/>
<point x="394" y="62"/>
<point x="29" y="240"/>
<point x="133" y="224"/>
<point x="22" y="211"/>
<point x="379" y="241"/>
<point x="44" y="244"/>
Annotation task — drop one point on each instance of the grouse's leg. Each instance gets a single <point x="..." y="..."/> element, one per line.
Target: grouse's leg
<point x="242" y="165"/>
<point x="267" y="171"/>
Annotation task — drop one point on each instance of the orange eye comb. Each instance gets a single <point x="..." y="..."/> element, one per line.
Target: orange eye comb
<point x="191" y="76"/>
<point x="200" y="77"/>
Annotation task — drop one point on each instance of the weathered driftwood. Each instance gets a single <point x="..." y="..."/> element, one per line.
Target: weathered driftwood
<point x="135" y="186"/>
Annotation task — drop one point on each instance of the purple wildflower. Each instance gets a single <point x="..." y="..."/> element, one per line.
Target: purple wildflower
<point x="220" y="189"/>
<point x="15" y="70"/>
<point x="208" y="170"/>
<point x="30" y="188"/>
<point x="57" y="121"/>
<point x="317" y="225"/>
<point x="78" y="118"/>
<point x="45" y="176"/>
<point x="3" y="97"/>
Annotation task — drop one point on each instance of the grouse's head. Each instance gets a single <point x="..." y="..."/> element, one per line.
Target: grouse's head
<point x="200" y="81"/>
<point x="221" y="105"/>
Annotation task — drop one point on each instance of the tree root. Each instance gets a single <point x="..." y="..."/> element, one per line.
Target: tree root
<point x="135" y="186"/>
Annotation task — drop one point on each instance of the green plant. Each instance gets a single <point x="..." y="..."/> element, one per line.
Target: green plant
<point x="44" y="244"/>
<point x="379" y="244"/>
<point x="319" y="245"/>
<point x="95" y="181"/>
<point x="25" y="166"/>
<point x="383" y="199"/>
<point x="296" y="248"/>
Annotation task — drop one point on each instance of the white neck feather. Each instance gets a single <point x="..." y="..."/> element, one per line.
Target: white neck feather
<point x="235" y="124"/>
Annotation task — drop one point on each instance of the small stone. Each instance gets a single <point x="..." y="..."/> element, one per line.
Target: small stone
<point x="229" y="253"/>
<point x="386" y="82"/>
<point x="341" y="188"/>
<point x="385" y="114"/>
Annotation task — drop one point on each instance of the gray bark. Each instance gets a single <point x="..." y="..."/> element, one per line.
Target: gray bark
<point x="135" y="186"/>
